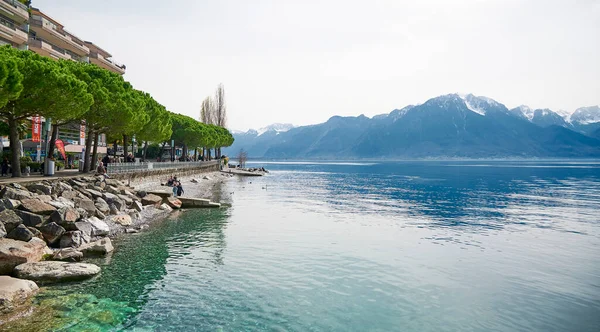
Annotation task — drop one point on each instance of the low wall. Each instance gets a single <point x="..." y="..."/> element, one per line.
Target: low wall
<point x="161" y="175"/>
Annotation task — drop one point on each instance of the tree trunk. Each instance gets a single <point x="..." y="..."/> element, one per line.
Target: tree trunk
<point x="115" y="146"/>
<point x="86" y="155"/>
<point x="162" y="150"/>
<point x="14" y="147"/>
<point x="145" y="151"/>
<point x="52" y="142"/>
<point x="196" y="154"/>
<point x="125" y="154"/>
<point x="95" y="150"/>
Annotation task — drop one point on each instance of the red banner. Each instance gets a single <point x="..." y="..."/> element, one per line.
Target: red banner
<point x="60" y="145"/>
<point x="36" y="128"/>
<point x="82" y="133"/>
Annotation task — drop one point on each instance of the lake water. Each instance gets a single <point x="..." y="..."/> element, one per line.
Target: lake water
<point x="394" y="246"/>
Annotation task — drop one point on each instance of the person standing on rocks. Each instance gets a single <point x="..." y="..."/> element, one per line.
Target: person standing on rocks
<point x="175" y="184"/>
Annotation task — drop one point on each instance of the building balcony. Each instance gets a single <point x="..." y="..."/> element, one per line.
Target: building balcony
<point x="108" y="64"/>
<point x="14" y="10"/>
<point x="11" y="32"/>
<point x="46" y="30"/>
<point x="46" y="49"/>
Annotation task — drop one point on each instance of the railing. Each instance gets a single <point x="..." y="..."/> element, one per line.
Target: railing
<point x="16" y="4"/>
<point x="120" y="168"/>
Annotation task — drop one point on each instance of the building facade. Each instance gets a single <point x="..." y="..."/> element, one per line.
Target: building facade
<point x="31" y="29"/>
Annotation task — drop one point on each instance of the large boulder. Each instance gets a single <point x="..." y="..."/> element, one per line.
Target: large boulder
<point x="85" y="227"/>
<point x="44" y="198"/>
<point x="61" y="202"/>
<point x="122" y="219"/>
<point x="68" y="255"/>
<point x="10" y="219"/>
<point x="13" y="253"/>
<point x="30" y="219"/>
<point x="113" y="182"/>
<point x="10" y="204"/>
<point x="151" y="199"/>
<point x="83" y="213"/>
<point x="72" y="239"/>
<point x="126" y="199"/>
<point x="95" y="193"/>
<point x="45" y="189"/>
<point x="14" y="292"/>
<point x="60" y="187"/>
<point x="165" y="207"/>
<point x="99" y="227"/>
<point x="65" y="216"/>
<point x="52" y="232"/>
<point x="69" y="194"/>
<point x="54" y="271"/>
<point x="20" y="233"/>
<point x="112" y="190"/>
<point x="97" y="248"/>
<point x="86" y="204"/>
<point x="174" y="203"/>
<point x="14" y="193"/>
<point x="36" y="206"/>
<point x="102" y="205"/>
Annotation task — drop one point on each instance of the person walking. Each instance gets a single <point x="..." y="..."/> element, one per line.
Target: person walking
<point x="175" y="184"/>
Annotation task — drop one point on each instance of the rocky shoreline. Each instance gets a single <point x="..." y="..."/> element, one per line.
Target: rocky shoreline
<point x="47" y="228"/>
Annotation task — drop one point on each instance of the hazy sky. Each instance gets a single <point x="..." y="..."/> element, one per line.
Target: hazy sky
<point x="303" y="61"/>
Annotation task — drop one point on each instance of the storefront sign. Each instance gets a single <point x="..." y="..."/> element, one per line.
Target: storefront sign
<point x="36" y="128"/>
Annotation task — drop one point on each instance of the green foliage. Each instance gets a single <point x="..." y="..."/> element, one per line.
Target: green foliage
<point x="11" y="78"/>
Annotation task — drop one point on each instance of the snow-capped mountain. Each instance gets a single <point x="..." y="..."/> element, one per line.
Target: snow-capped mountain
<point x="277" y="127"/>
<point x="481" y="105"/>
<point x="586" y="115"/>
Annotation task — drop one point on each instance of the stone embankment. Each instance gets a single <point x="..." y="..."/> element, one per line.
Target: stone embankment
<point x="48" y="227"/>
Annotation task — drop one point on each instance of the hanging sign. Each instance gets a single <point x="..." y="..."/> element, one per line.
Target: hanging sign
<point x="36" y="128"/>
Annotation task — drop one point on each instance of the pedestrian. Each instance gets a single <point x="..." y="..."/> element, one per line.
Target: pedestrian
<point x="106" y="160"/>
<point x="175" y="184"/>
<point x="179" y="189"/>
<point x="5" y="166"/>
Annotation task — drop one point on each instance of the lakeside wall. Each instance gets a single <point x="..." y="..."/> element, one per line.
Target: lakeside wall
<point x="160" y="175"/>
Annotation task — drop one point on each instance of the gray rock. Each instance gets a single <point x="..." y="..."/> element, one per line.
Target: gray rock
<point x="95" y="194"/>
<point x="69" y="194"/>
<point x="126" y="199"/>
<point x="86" y="204"/>
<point x="14" y="293"/>
<point x="60" y="187"/>
<point x="10" y="220"/>
<point x="113" y="209"/>
<point x="112" y="190"/>
<point x="46" y="189"/>
<point x="99" y="227"/>
<point x="36" y="233"/>
<point x="20" y="233"/>
<point x="72" y="239"/>
<point x="44" y="198"/>
<point x="16" y="185"/>
<point x="137" y="206"/>
<point x="109" y="197"/>
<point x="65" y="217"/>
<point x="2" y="230"/>
<point x="113" y="182"/>
<point x="68" y="255"/>
<point x="102" y="205"/>
<point x="82" y="213"/>
<point x="131" y="231"/>
<point x="13" y="253"/>
<point x="97" y="248"/>
<point x="54" y="271"/>
<point x="36" y="206"/>
<point x="141" y="193"/>
<point x="85" y="228"/>
<point x="13" y="193"/>
<point x="100" y="214"/>
<point x="61" y="202"/>
<point x="52" y="232"/>
<point x="30" y="219"/>
<point x="165" y="207"/>
<point x="11" y="204"/>
<point x="77" y="183"/>
<point x="134" y="214"/>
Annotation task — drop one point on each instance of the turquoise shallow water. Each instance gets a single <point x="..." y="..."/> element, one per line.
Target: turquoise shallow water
<point x="411" y="246"/>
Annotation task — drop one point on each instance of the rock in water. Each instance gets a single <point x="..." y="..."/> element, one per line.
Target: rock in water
<point x="97" y="248"/>
<point x="165" y="207"/>
<point x="174" y="202"/>
<point x="53" y="271"/>
<point x="99" y="227"/>
<point x="52" y="232"/>
<point x="10" y="219"/>
<point x="68" y="255"/>
<point x="36" y="206"/>
<point x="13" y="253"/>
<point x="20" y="233"/>
<point x="14" y="292"/>
<point x="122" y="219"/>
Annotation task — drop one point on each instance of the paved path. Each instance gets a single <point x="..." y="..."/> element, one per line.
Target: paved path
<point x="67" y="173"/>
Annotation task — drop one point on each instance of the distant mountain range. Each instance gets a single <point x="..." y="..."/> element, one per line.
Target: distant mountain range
<point x="449" y="126"/>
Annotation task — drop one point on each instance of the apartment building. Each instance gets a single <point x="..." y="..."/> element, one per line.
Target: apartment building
<point x="29" y="28"/>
